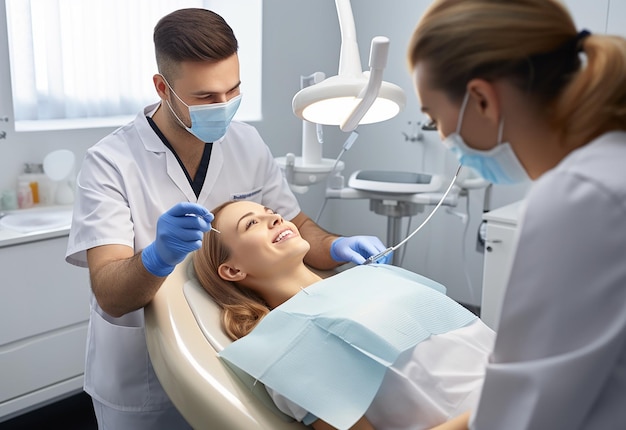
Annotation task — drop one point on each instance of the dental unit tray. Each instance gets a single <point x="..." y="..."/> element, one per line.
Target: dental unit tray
<point x="384" y="181"/>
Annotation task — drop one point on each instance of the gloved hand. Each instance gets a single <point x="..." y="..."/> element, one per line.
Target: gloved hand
<point x="179" y="231"/>
<point x="357" y="248"/>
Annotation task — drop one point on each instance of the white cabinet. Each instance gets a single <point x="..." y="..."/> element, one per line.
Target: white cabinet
<point x="499" y="247"/>
<point x="44" y="312"/>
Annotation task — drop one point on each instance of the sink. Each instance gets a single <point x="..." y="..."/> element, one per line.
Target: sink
<point x="39" y="219"/>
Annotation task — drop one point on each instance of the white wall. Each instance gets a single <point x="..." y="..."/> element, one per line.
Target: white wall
<point x="301" y="37"/>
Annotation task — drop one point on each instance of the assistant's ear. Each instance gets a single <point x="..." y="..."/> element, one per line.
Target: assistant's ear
<point x="230" y="273"/>
<point x="485" y="97"/>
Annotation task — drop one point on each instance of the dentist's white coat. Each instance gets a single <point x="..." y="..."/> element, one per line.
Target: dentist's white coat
<point x="126" y="182"/>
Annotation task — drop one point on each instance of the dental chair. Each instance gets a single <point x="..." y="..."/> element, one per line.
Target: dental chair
<point x="184" y="336"/>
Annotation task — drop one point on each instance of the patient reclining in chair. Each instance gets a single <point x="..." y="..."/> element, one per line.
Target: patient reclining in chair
<point x="373" y="346"/>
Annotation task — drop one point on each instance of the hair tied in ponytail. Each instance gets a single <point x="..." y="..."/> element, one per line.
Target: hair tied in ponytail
<point x="582" y="35"/>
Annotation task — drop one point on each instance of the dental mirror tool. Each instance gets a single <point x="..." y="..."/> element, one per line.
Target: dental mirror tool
<point x="375" y="258"/>
<point x="203" y="216"/>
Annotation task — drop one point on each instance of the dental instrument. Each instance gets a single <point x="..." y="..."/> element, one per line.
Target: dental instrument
<point x="212" y="228"/>
<point x="375" y="258"/>
<point x="204" y="217"/>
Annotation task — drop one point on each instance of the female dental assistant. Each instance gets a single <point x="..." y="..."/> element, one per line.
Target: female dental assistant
<point x="142" y="194"/>
<point x="511" y="94"/>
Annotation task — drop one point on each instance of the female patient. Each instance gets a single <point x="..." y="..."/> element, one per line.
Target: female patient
<point x="256" y="264"/>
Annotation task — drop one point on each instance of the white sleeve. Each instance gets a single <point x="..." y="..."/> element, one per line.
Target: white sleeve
<point x="562" y="327"/>
<point x="101" y="213"/>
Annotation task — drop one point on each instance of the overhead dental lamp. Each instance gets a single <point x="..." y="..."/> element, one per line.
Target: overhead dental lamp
<point x="348" y="99"/>
<point x="352" y="97"/>
<point x="311" y="168"/>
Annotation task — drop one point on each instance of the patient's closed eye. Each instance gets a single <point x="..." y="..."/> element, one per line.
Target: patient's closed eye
<point x="255" y="217"/>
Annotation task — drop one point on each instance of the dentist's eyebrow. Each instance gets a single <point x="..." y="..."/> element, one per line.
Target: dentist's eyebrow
<point x="204" y="92"/>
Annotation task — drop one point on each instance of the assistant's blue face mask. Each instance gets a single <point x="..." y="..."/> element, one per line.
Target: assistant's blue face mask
<point x="209" y="122"/>
<point x="498" y="165"/>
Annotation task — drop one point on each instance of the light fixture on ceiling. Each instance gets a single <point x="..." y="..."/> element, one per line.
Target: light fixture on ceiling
<point x="352" y="97"/>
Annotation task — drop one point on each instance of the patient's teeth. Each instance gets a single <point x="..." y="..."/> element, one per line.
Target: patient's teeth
<point x="282" y="235"/>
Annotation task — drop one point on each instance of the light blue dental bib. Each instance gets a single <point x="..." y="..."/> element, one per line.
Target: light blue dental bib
<point x="327" y="348"/>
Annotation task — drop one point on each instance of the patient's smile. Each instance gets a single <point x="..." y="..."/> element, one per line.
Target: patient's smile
<point x="282" y="235"/>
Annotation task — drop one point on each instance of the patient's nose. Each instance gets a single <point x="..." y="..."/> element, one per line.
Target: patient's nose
<point x="276" y="220"/>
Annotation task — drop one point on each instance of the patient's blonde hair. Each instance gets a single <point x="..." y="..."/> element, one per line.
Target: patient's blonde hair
<point x="534" y="44"/>
<point x="241" y="308"/>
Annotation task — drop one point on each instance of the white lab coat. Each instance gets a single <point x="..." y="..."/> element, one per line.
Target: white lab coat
<point x="127" y="180"/>
<point x="559" y="361"/>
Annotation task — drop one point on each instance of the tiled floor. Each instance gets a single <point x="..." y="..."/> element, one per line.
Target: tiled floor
<point x="73" y="413"/>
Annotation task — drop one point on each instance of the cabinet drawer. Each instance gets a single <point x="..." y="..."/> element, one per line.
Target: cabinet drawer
<point x="43" y="360"/>
<point x="39" y="291"/>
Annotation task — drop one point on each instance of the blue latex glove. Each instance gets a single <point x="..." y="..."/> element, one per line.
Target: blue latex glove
<point x="179" y="231"/>
<point x="357" y="248"/>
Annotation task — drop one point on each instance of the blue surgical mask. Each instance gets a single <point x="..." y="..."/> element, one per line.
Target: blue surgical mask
<point x="209" y="122"/>
<point x="498" y="165"/>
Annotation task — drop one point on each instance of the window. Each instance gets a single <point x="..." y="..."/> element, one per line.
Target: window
<point x="86" y="63"/>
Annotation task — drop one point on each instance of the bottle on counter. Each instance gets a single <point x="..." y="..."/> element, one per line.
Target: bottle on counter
<point x="40" y="185"/>
<point x="24" y="195"/>
<point x="9" y="200"/>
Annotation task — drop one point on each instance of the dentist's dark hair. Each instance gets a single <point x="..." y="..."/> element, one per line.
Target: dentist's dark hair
<point x="241" y="308"/>
<point x="576" y="80"/>
<point x="191" y="34"/>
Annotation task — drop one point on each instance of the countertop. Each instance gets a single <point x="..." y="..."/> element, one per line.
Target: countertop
<point x="508" y="214"/>
<point x="10" y="237"/>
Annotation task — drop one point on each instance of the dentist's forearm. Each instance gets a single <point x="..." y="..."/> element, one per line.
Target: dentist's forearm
<point x="120" y="284"/>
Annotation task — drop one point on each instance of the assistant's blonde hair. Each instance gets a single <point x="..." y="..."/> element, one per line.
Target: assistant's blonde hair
<point x="534" y="44"/>
<point x="241" y="308"/>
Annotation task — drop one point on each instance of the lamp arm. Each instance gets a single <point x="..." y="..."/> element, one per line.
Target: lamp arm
<point x="312" y="133"/>
<point x="349" y="58"/>
<point x="378" y="60"/>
